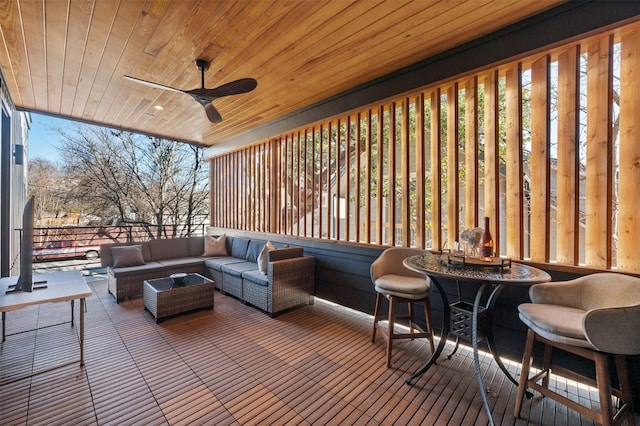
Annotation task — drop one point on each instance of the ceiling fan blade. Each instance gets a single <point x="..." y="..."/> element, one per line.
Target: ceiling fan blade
<point x="154" y="85"/>
<point x="212" y="113"/>
<point x="243" y="85"/>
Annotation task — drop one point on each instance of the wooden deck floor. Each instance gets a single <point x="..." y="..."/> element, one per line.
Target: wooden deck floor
<point x="236" y="365"/>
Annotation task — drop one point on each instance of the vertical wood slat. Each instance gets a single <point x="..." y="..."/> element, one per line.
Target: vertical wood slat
<point x="471" y="153"/>
<point x="328" y="181"/>
<point x="314" y="173"/>
<point x="391" y="176"/>
<point x="358" y="195"/>
<point x="491" y="156"/>
<point x="368" y="179"/>
<point x="250" y="196"/>
<point x="305" y="187"/>
<point x="215" y="172"/>
<point x="420" y="172"/>
<point x="274" y="185"/>
<point x="514" y="192"/>
<point x="405" y="170"/>
<point x="291" y="166"/>
<point x="320" y="144"/>
<point x="227" y="184"/>
<point x="539" y="229"/>
<point x="379" y="177"/>
<point x="597" y="231"/>
<point x="436" y="168"/>
<point x="347" y="172"/>
<point x="567" y="206"/>
<point x="629" y="166"/>
<point x="298" y="185"/>
<point x="453" y="201"/>
<point x="335" y="211"/>
<point x="244" y="193"/>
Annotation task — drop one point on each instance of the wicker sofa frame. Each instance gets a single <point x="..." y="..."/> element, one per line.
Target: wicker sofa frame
<point x="289" y="280"/>
<point x="162" y="258"/>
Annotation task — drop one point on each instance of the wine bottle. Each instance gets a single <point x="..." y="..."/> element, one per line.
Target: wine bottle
<point x="486" y="242"/>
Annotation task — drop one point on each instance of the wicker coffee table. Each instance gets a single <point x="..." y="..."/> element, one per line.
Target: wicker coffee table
<point x="163" y="298"/>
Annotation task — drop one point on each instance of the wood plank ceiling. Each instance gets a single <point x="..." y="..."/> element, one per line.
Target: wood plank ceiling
<point x="68" y="57"/>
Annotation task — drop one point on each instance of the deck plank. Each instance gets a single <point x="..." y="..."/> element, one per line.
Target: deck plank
<point x="236" y="365"/>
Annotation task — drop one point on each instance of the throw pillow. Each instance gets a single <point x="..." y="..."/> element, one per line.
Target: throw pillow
<point x="215" y="246"/>
<point x="262" y="258"/>
<point x="124" y="256"/>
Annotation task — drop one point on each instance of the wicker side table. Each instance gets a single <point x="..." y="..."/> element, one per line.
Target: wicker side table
<point x="163" y="298"/>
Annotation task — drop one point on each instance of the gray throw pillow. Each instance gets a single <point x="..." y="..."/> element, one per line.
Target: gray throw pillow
<point x="125" y="256"/>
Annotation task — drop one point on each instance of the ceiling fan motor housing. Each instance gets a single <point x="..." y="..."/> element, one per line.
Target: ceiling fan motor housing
<point x="202" y="65"/>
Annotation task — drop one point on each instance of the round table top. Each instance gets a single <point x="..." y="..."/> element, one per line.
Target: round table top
<point x="432" y="264"/>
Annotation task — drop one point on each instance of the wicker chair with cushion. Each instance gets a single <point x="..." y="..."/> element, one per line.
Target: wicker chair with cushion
<point x="399" y="285"/>
<point x="594" y="316"/>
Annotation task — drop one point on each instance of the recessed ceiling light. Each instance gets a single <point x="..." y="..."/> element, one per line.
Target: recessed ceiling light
<point x="158" y="107"/>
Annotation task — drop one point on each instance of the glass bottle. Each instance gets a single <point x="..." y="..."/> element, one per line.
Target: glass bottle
<point x="486" y="242"/>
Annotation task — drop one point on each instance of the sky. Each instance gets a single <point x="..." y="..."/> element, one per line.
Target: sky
<point x="43" y="137"/>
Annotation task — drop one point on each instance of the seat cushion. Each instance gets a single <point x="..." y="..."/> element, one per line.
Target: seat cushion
<point x="185" y="261"/>
<point x="402" y="286"/>
<point x="557" y="323"/>
<point x="236" y="269"/>
<point x="149" y="267"/>
<point x="256" y="277"/>
<point x="216" y="263"/>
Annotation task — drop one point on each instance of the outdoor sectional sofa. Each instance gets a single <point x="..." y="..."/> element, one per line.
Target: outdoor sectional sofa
<point x="288" y="279"/>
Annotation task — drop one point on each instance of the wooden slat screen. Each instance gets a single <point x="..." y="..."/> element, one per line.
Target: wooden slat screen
<point x="545" y="146"/>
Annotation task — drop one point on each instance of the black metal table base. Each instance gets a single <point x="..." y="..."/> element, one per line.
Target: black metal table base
<point x="490" y="339"/>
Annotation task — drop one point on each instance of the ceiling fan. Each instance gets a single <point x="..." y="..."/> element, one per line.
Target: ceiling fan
<point x="206" y="96"/>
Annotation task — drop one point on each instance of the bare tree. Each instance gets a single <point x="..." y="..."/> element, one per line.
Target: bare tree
<point x="136" y="179"/>
<point x="47" y="185"/>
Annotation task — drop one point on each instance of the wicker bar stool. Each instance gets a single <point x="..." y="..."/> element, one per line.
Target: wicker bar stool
<point x="397" y="284"/>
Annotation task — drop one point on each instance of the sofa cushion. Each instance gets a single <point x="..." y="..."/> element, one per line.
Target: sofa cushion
<point x="215" y="246"/>
<point x="216" y="263"/>
<point x="254" y="250"/>
<point x="256" y="277"/>
<point x="262" y="258"/>
<point x="169" y="248"/>
<point x="186" y="261"/>
<point x="239" y="248"/>
<point x="149" y="267"/>
<point x="236" y="269"/>
<point x="196" y="246"/>
<point x="125" y="256"/>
